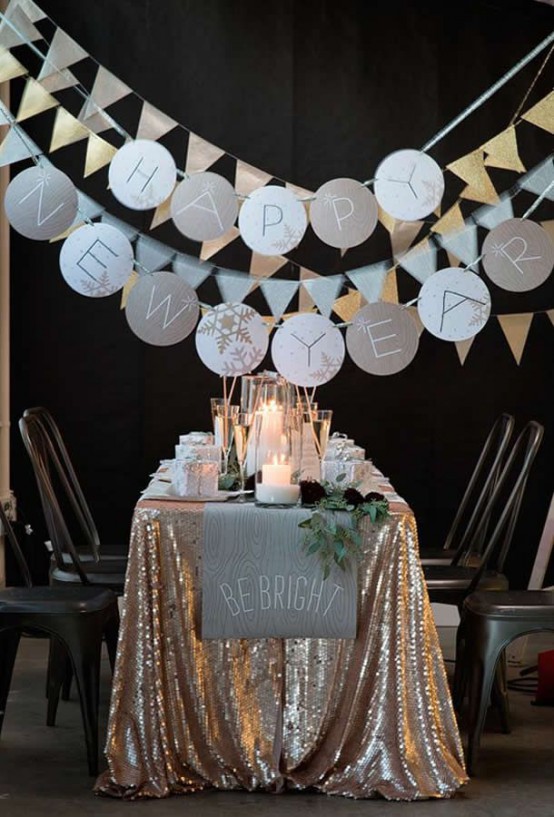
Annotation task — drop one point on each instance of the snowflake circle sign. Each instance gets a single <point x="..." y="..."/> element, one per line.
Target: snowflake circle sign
<point x="96" y="260"/>
<point x="409" y="185"/>
<point x="518" y="255"/>
<point x="308" y="350"/>
<point x="204" y="206"/>
<point x="454" y="304"/>
<point x="382" y="338"/>
<point x="162" y="309"/>
<point x="41" y="203"/>
<point x="232" y="339"/>
<point x="142" y="174"/>
<point x="272" y="221"/>
<point x="344" y="213"/>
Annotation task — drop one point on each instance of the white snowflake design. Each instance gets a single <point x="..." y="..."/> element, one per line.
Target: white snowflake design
<point x="290" y="239"/>
<point x="328" y="369"/>
<point x="240" y="360"/>
<point x="433" y="192"/>
<point x="480" y="311"/>
<point x="328" y="199"/>
<point x="208" y="186"/>
<point x="228" y="325"/>
<point x="99" y="287"/>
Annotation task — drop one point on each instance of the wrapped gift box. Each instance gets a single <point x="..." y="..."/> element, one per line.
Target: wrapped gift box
<point x="359" y="471"/>
<point x="198" y="451"/>
<point x="197" y="438"/>
<point x="195" y="477"/>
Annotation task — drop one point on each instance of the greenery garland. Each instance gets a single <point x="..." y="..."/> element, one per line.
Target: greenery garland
<point x="324" y="535"/>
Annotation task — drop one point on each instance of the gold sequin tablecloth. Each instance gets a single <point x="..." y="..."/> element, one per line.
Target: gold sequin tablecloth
<point x="362" y="718"/>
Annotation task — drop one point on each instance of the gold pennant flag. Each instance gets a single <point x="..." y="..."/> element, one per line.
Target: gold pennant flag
<point x="502" y="151"/>
<point x="472" y="170"/>
<point x="347" y="305"/>
<point x="403" y="235"/>
<point x="35" y="100"/>
<point x="389" y="292"/>
<point x="516" y="330"/>
<point x="264" y="266"/>
<point x="414" y="312"/>
<point x="463" y="347"/>
<point x="451" y="222"/>
<point x="305" y="301"/>
<point x="549" y="227"/>
<point x="248" y="178"/>
<point x="300" y="192"/>
<point x="129" y="284"/>
<point x="162" y="213"/>
<point x="9" y="66"/>
<point x="453" y="260"/>
<point x="67" y="130"/>
<point x="550" y="314"/>
<point x="387" y="221"/>
<point x="212" y="247"/>
<point x="99" y="154"/>
<point x="542" y="114"/>
<point x="201" y="154"/>
<point x="66" y="233"/>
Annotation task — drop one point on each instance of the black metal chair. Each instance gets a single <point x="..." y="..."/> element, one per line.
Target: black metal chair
<point x="478" y="490"/>
<point x="70" y="526"/>
<point x="491" y="621"/>
<point x="474" y="567"/>
<point x="76" y="618"/>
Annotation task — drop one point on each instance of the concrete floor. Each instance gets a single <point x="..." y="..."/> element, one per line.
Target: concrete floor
<point x="43" y="771"/>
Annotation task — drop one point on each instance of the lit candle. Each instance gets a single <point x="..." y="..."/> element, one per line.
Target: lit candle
<point x="275" y="473"/>
<point x="275" y="487"/>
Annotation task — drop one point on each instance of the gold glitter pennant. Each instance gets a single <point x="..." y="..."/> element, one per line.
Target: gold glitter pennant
<point x="347" y="305"/>
<point x="387" y="221"/>
<point x="99" y="154"/>
<point x="248" y="178"/>
<point x="67" y="130"/>
<point x="201" y="154"/>
<point x="9" y="66"/>
<point x="129" y="284"/>
<point x="451" y="222"/>
<point x="516" y="329"/>
<point x="472" y="170"/>
<point x="264" y="266"/>
<point x="414" y="312"/>
<point x="403" y="235"/>
<point x="390" y="288"/>
<point x="503" y="151"/>
<point x="161" y="214"/>
<point x="542" y="114"/>
<point x="35" y="100"/>
<point x="212" y="247"/>
<point x="463" y="347"/>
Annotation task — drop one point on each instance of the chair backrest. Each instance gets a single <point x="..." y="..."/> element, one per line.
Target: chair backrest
<point x="55" y="495"/>
<point x="502" y="508"/>
<point x="9" y="534"/>
<point x="479" y="488"/>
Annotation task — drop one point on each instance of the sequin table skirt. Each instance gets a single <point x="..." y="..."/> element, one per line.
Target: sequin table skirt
<point x="364" y="717"/>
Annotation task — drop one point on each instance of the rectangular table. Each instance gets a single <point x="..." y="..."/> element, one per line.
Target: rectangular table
<point x="363" y="717"/>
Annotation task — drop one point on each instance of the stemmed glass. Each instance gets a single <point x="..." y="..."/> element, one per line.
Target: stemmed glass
<point x="319" y="422"/>
<point x="225" y="416"/>
<point x="241" y="429"/>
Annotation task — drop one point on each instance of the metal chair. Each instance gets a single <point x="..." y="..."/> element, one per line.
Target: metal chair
<point x="491" y="621"/>
<point x="69" y="526"/>
<point x="76" y="618"/>
<point x="473" y="568"/>
<point x="481" y="483"/>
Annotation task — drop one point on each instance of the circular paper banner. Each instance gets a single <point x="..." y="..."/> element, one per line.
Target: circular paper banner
<point x="344" y="213"/>
<point x="308" y="350"/>
<point x="518" y="255"/>
<point x="382" y="339"/>
<point x="142" y="174"/>
<point x="409" y="185"/>
<point x="272" y="221"/>
<point x="232" y="339"/>
<point x="162" y="309"/>
<point x="96" y="260"/>
<point x="41" y="203"/>
<point x="204" y="206"/>
<point x="454" y="304"/>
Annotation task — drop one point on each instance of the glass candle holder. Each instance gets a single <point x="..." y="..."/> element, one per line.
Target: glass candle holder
<point x="274" y="474"/>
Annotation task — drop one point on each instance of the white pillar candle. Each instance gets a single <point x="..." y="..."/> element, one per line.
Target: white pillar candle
<point x="276" y="474"/>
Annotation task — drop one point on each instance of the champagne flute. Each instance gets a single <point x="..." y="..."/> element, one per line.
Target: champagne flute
<point x="320" y="421"/>
<point x="225" y="416"/>
<point x="241" y="429"/>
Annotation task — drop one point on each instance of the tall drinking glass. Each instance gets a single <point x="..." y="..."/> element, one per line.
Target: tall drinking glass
<point x="214" y="403"/>
<point x="320" y="421"/>
<point x="241" y="431"/>
<point x="225" y="416"/>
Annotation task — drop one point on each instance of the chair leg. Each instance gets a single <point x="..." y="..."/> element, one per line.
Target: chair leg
<point x="67" y="679"/>
<point x="9" y="642"/>
<point x="85" y="650"/>
<point x="460" y="671"/>
<point x="482" y="658"/>
<point x="500" y="694"/>
<point x="57" y="664"/>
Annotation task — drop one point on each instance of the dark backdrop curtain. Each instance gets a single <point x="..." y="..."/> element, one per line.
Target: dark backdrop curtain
<point x="308" y="91"/>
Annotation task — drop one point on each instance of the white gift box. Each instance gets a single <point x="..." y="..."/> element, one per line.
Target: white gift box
<point x="198" y="451"/>
<point x="195" y="478"/>
<point x="196" y="438"/>
<point x="359" y="471"/>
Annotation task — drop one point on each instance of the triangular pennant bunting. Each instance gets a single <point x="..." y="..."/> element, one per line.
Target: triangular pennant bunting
<point x="305" y="302"/>
<point x="414" y="314"/>
<point x="233" y="286"/>
<point x="162" y="213"/>
<point x="386" y="220"/>
<point x="201" y="154"/>
<point x="106" y="90"/>
<point x="35" y="100"/>
<point x="151" y="254"/>
<point x="16" y="27"/>
<point x="299" y="192"/>
<point x="99" y="154"/>
<point x="421" y="262"/>
<point x="278" y="294"/>
<point x="17" y="147"/>
<point x="472" y="170"/>
<point x="491" y="215"/>
<point x="63" y="51"/>
<point x="128" y="230"/>
<point x="539" y="179"/>
<point x="549" y="227"/>
<point x="370" y="280"/>
<point x="502" y="151"/>
<point x="153" y="123"/>
<point x="211" y="248"/>
<point x="67" y="130"/>
<point x="87" y="210"/>
<point x="452" y="221"/>
<point x="190" y="270"/>
<point x="389" y="293"/>
<point x="324" y="292"/>
<point x="550" y="314"/>
<point x="464" y="244"/>
<point x="463" y="347"/>
<point x="129" y="284"/>
<point x="516" y="330"/>
<point x="542" y="114"/>
<point x="249" y="178"/>
<point x="403" y="236"/>
<point x="28" y="7"/>
<point x="9" y="66"/>
<point x="264" y="266"/>
<point x="347" y="305"/>
<point x="60" y="81"/>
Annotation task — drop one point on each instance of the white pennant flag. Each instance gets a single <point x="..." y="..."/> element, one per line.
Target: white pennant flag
<point x="106" y="90"/>
<point x="421" y="262"/>
<point x="28" y="7"/>
<point x="63" y="51"/>
<point x="369" y="280"/>
<point x="492" y="214"/>
<point x="152" y="254"/>
<point x="128" y="230"/>
<point x="16" y="147"/>
<point x="324" y="291"/>
<point x="153" y="123"/>
<point x="191" y="270"/>
<point x="463" y="244"/>
<point x="87" y="208"/>
<point x="278" y="294"/>
<point x="233" y="286"/>
<point x="17" y="28"/>
<point x="539" y="178"/>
